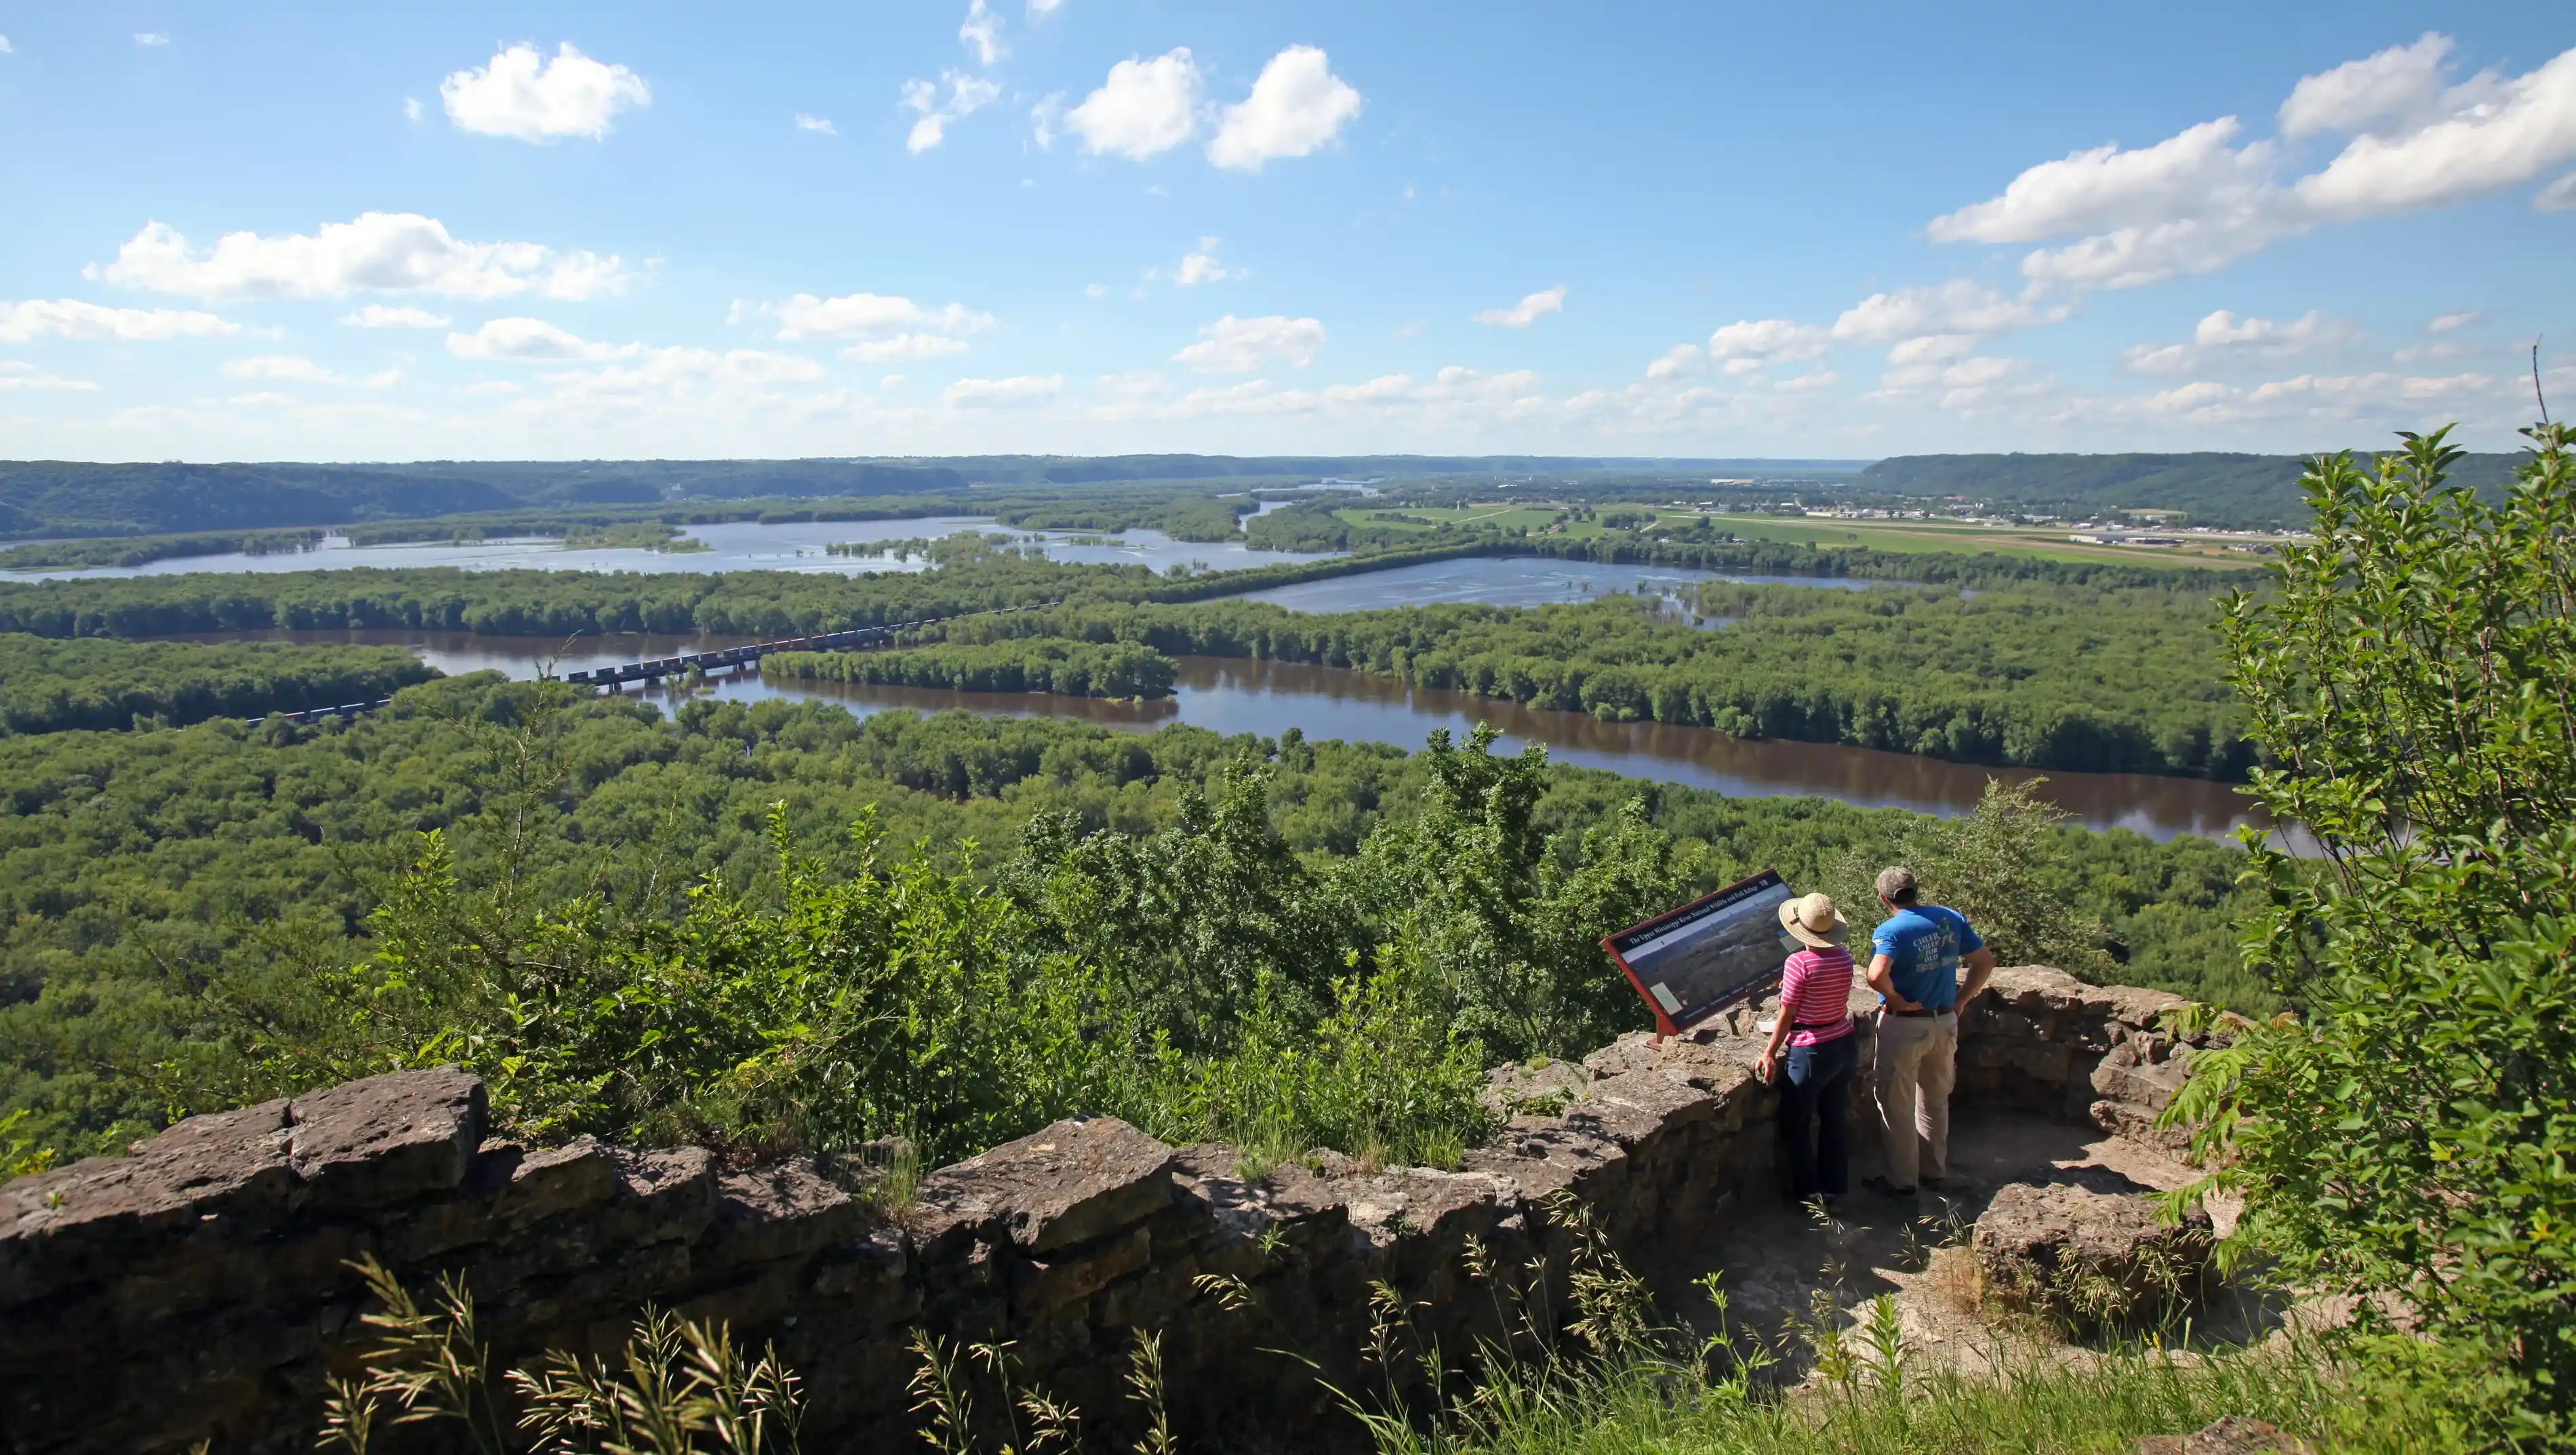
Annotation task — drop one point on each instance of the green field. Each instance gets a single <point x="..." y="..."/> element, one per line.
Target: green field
<point x="2036" y="542"/>
<point x="1500" y="515"/>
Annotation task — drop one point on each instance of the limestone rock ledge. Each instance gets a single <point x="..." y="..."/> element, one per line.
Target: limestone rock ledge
<point x="199" y="1288"/>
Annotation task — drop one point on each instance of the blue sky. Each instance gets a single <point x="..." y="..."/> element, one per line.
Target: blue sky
<point x="249" y="231"/>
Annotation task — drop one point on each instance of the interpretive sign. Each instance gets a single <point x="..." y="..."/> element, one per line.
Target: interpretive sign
<point x="1708" y="954"/>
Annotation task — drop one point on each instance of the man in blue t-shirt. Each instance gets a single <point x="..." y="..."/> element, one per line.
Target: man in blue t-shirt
<point x="1915" y="970"/>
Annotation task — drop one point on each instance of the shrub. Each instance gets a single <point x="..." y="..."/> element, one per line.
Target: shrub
<point x="2411" y="1134"/>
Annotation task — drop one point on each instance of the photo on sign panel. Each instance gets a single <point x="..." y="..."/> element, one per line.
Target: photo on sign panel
<point x="1708" y="954"/>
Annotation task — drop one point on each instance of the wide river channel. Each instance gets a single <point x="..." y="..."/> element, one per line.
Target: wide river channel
<point x="1231" y="695"/>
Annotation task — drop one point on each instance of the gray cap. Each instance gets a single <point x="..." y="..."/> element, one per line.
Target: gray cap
<point x="1896" y="884"/>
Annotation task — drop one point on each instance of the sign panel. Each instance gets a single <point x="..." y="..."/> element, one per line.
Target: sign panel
<point x="1710" y="953"/>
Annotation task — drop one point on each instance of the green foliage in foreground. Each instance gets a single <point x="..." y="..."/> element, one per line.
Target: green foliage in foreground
<point x="2413" y="1135"/>
<point x="1071" y="669"/>
<point x="158" y="884"/>
<point x="51" y="686"/>
<point x="2095" y="681"/>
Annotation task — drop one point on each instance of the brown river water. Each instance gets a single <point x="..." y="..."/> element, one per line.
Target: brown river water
<point x="1236" y="696"/>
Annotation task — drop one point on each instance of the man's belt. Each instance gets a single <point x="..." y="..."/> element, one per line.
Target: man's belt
<point x="1922" y="1012"/>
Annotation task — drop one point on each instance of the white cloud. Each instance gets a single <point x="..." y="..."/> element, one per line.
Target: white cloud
<point x="982" y="33"/>
<point x="2199" y="200"/>
<point x="1041" y="9"/>
<point x="71" y="318"/>
<point x="16" y="375"/>
<point x="1755" y="341"/>
<point x="892" y="381"/>
<point x="1925" y="348"/>
<point x="820" y="125"/>
<point x="864" y="316"/>
<point x="1234" y="345"/>
<point x="302" y="371"/>
<point x="492" y="386"/>
<point x="411" y="108"/>
<point x="5" y="47"/>
<point x="520" y="94"/>
<point x="1044" y="118"/>
<point x="1095" y="290"/>
<point x="1143" y="109"/>
<point x="2449" y="321"/>
<point x="1296" y="106"/>
<point x="1678" y="360"/>
<point x="267" y="399"/>
<point x="2221" y="339"/>
<point x="905" y="346"/>
<point x="966" y="95"/>
<point x="2496" y="133"/>
<point x="2401" y="84"/>
<point x="2558" y="196"/>
<point x="1529" y="310"/>
<point x="1202" y="267"/>
<point x="1960" y="306"/>
<point x="1025" y="391"/>
<point x="527" y="340"/>
<point x="1134" y="384"/>
<point x="383" y="252"/>
<point x="380" y="315"/>
<point x="152" y="37"/>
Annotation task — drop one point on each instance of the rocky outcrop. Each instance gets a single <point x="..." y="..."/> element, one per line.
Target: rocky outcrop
<point x="2045" y="1041"/>
<point x="202" y="1287"/>
<point x="2089" y="1258"/>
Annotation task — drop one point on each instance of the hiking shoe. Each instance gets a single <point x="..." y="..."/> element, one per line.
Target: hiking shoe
<point x="1936" y="1183"/>
<point x="1883" y="1188"/>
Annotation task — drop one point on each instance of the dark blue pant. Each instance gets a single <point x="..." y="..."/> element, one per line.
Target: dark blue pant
<point x="1815" y="1115"/>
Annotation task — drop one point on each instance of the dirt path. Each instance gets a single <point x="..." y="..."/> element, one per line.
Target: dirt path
<point x="1781" y="1267"/>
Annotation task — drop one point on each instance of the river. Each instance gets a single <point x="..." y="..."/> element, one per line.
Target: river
<point x="1236" y="696"/>
<point x="741" y="545"/>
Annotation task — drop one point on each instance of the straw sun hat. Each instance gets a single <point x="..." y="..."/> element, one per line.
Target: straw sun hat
<point x="1814" y="921"/>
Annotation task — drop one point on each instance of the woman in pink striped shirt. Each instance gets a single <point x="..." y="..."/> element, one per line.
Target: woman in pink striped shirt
<point x="1815" y="1026"/>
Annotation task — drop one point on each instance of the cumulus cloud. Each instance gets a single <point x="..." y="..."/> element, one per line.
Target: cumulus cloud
<point x="905" y="346"/>
<point x="2206" y="197"/>
<point x="381" y="315"/>
<point x="981" y="33"/>
<point x="301" y="370"/>
<point x="871" y="316"/>
<point x="1960" y="306"/>
<point x="381" y="252"/>
<point x="1143" y="109"/>
<point x="1201" y="266"/>
<point x="5" y="47"/>
<point x="526" y="340"/>
<point x="1041" y="9"/>
<point x="2222" y="339"/>
<point x="966" y="95"/>
<point x="1529" y="310"/>
<point x="151" y="38"/>
<point x="1678" y="360"/>
<point x="17" y="375"/>
<point x="2401" y="85"/>
<point x="819" y="125"/>
<point x="1234" y="345"/>
<point x="1022" y="392"/>
<point x="2449" y="321"/>
<point x="1297" y="105"/>
<point x="71" y="318"/>
<point x="1762" y="339"/>
<point x="521" y="95"/>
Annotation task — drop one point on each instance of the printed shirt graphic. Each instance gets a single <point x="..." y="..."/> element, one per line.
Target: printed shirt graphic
<point x="1925" y="944"/>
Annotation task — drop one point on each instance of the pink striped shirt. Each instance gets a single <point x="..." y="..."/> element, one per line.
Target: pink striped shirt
<point x="1815" y="994"/>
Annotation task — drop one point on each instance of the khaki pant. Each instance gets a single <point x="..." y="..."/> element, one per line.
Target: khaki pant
<point x="1917" y="1062"/>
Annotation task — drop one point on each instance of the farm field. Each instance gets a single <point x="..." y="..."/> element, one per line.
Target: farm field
<point x="2039" y="542"/>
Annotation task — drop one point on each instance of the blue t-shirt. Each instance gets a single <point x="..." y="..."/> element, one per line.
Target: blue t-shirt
<point x="1925" y="943"/>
